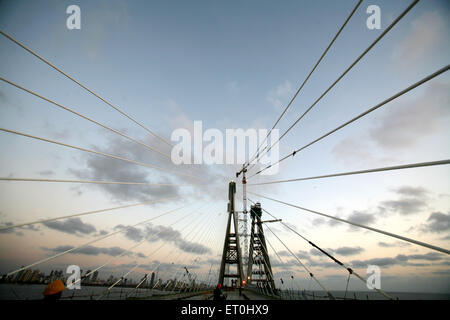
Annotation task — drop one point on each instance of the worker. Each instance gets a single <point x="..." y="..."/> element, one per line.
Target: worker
<point x="54" y="290"/>
<point x="218" y="293"/>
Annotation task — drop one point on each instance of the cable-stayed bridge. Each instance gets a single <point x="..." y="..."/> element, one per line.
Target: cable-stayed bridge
<point x="245" y="269"/>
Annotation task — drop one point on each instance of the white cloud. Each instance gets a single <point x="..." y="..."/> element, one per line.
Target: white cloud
<point x="350" y="148"/>
<point x="427" y="32"/>
<point x="402" y="126"/>
<point x="407" y="123"/>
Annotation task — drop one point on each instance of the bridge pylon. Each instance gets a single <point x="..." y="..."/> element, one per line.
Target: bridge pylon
<point x="259" y="269"/>
<point x="231" y="265"/>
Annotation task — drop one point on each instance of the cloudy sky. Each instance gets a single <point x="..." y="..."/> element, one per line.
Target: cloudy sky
<point x="230" y="64"/>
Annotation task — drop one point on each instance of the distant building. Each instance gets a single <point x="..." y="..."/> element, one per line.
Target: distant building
<point x="27" y="276"/>
<point x="94" y="276"/>
<point x="41" y="278"/>
<point x="19" y="276"/>
<point x="152" y="280"/>
<point x="87" y="278"/>
<point x="57" y="275"/>
<point x="35" y="276"/>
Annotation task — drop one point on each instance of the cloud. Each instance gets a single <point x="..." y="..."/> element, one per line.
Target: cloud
<point x="284" y="253"/>
<point x="16" y="230"/>
<point x="445" y="273"/>
<point x="159" y="232"/>
<point x="402" y="125"/>
<point x="406" y="123"/>
<point x="290" y="263"/>
<point x="382" y="262"/>
<point x="396" y="244"/>
<point x="31" y="227"/>
<point x="58" y="134"/>
<point x="302" y="255"/>
<point x="425" y="35"/>
<point x="405" y="206"/>
<point x="322" y="264"/>
<point x="102" y="232"/>
<point x="361" y="218"/>
<point x="412" y="200"/>
<point x="412" y="260"/>
<point x="94" y="251"/>
<point x="71" y="226"/>
<point x="12" y="230"/>
<point x="315" y="252"/>
<point x="153" y="233"/>
<point x="132" y="233"/>
<point x="358" y="217"/>
<point x="349" y="149"/>
<point x="430" y="256"/>
<point x="437" y="222"/>
<point x="103" y="168"/>
<point x="96" y="167"/>
<point x="280" y="95"/>
<point x="7" y="224"/>
<point x="411" y="191"/>
<point x="308" y="256"/>
<point x="193" y="247"/>
<point x="285" y="265"/>
<point x="348" y="251"/>
<point x="174" y="236"/>
<point x="217" y="176"/>
<point x="400" y="259"/>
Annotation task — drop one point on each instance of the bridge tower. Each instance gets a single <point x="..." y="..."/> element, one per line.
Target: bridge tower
<point x="231" y="265"/>
<point x="243" y="222"/>
<point x="259" y="268"/>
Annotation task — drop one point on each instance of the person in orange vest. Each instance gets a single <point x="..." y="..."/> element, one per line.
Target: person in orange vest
<point x="54" y="290"/>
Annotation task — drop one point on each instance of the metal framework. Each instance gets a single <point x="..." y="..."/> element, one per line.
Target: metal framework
<point x="243" y="221"/>
<point x="259" y="268"/>
<point x="231" y="249"/>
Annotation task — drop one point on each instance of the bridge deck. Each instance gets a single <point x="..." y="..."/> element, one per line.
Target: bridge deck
<point x="232" y="295"/>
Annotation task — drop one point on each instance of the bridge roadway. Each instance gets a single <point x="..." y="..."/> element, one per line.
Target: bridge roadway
<point x="208" y="295"/>
<point x="231" y="295"/>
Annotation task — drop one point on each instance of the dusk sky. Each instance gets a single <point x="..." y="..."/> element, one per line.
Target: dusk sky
<point x="229" y="64"/>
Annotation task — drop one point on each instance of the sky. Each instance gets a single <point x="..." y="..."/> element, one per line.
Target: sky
<point x="229" y="64"/>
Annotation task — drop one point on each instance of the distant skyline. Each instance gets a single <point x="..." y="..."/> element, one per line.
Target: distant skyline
<point x="35" y="276"/>
<point x="229" y="64"/>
